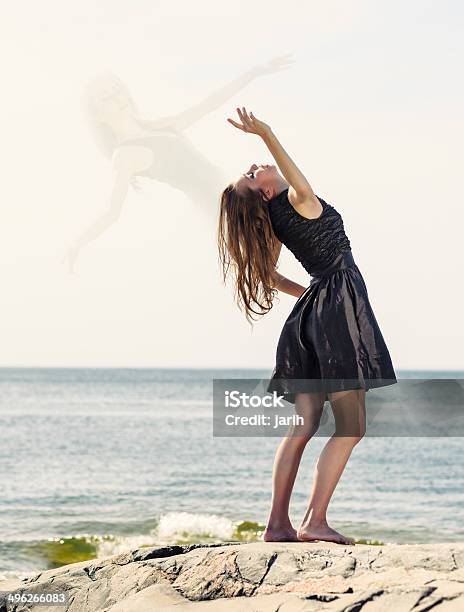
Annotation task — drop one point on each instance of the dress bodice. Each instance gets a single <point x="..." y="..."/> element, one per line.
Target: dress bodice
<point x="314" y="242"/>
<point x="164" y="144"/>
<point x="177" y="162"/>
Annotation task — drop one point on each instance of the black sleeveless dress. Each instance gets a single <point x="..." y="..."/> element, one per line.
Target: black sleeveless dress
<point x="331" y="340"/>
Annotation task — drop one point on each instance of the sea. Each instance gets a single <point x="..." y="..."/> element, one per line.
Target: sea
<point x="100" y="461"/>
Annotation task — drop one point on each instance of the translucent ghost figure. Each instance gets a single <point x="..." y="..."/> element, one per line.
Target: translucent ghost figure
<point x="157" y="149"/>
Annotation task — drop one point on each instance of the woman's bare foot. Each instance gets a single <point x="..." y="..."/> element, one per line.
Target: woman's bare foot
<point x="280" y="534"/>
<point x="321" y="531"/>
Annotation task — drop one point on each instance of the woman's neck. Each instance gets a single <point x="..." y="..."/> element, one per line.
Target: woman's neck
<point x="280" y="186"/>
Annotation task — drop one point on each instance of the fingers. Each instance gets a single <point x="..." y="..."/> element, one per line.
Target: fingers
<point x="244" y="117"/>
<point x="237" y="125"/>
<point x="247" y="124"/>
<point x="241" y="114"/>
<point x="245" y="121"/>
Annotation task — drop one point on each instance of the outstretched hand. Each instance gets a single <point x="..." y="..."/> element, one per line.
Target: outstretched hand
<point x="250" y="123"/>
<point x="275" y="65"/>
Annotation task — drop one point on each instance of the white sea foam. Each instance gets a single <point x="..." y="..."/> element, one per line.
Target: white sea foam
<point x="176" y="526"/>
<point x="172" y="528"/>
<point x="119" y="545"/>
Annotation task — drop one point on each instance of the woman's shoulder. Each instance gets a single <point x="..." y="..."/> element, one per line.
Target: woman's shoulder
<point x="283" y="196"/>
<point x="281" y="202"/>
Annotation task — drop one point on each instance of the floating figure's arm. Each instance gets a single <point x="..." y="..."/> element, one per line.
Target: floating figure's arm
<point x="106" y="218"/>
<point x="190" y="116"/>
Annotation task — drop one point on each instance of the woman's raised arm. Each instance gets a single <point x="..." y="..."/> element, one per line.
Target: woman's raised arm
<point x="290" y="171"/>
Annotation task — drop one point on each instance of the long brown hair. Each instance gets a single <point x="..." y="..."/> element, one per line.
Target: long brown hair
<point x="247" y="243"/>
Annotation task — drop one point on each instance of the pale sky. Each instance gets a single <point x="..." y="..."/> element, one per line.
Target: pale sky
<point x="370" y="110"/>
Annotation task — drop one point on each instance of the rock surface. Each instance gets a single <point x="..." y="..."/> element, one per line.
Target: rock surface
<point x="283" y="577"/>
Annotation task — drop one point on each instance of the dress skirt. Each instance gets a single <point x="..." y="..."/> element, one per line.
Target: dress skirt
<point x="331" y="340"/>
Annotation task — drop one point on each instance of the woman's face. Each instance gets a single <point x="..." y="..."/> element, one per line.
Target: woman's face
<point x="264" y="178"/>
<point x="112" y="100"/>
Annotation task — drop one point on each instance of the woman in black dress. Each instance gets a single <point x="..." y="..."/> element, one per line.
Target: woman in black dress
<point x="330" y="348"/>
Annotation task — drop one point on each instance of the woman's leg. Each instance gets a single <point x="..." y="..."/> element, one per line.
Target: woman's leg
<point x="286" y="462"/>
<point x="350" y="419"/>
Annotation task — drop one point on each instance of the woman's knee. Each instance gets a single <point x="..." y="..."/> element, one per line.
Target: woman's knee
<point x="350" y="414"/>
<point x="348" y="439"/>
<point x="303" y="433"/>
<point x="357" y="438"/>
<point x="309" y="407"/>
<point x="352" y="431"/>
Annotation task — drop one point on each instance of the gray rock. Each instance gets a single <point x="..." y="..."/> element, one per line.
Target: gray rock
<point x="289" y="577"/>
